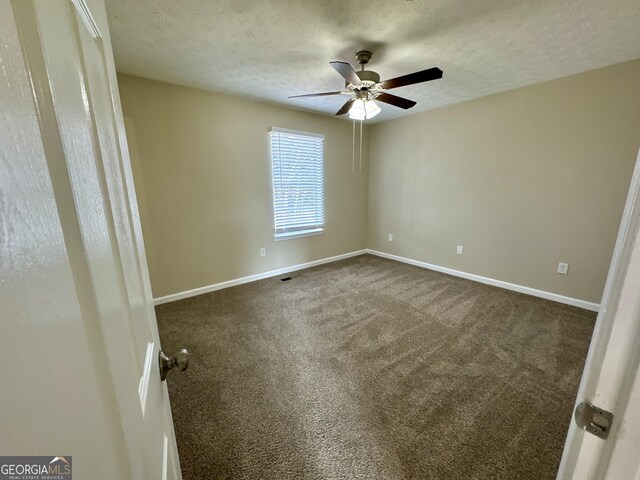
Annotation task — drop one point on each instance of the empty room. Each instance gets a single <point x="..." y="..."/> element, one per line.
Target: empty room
<point x="329" y="239"/>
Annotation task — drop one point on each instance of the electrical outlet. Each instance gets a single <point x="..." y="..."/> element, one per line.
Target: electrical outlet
<point x="391" y="237"/>
<point x="459" y="249"/>
<point x="263" y="252"/>
<point x="563" y="268"/>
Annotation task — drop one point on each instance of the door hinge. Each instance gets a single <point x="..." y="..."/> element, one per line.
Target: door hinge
<point x="594" y="420"/>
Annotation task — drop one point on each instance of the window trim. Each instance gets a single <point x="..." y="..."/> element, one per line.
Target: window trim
<point x="311" y="231"/>
<point x="299" y="234"/>
<point x="296" y="132"/>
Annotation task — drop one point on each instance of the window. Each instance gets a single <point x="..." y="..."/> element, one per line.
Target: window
<point x="297" y="168"/>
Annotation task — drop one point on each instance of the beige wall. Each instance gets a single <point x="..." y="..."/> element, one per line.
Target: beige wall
<point x="203" y="179"/>
<point x="523" y="180"/>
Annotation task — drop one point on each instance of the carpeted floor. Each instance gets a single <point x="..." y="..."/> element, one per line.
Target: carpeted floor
<point x="372" y="369"/>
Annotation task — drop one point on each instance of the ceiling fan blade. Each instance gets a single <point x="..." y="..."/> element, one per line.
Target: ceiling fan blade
<point x="345" y="108"/>
<point x="395" y="101"/>
<point x="348" y="73"/>
<point x="417" y="77"/>
<point x="323" y="94"/>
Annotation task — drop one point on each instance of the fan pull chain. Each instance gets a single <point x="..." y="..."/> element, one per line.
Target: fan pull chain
<point x="353" y="158"/>
<point x="361" y="145"/>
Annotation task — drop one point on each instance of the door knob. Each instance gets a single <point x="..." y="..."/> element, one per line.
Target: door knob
<point x="180" y="360"/>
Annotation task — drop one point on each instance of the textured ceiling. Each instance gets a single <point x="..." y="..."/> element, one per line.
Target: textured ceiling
<point x="268" y="50"/>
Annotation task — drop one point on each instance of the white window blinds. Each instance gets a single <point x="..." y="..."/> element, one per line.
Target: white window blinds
<point x="297" y="166"/>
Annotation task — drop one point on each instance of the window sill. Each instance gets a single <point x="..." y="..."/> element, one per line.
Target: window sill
<point x="278" y="237"/>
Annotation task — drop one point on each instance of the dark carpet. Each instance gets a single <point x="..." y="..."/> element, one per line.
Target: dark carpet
<point x="372" y="369"/>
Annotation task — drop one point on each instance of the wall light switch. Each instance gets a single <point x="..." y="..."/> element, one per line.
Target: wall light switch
<point x="563" y="268"/>
<point x="391" y="237"/>
<point x="263" y="252"/>
<point x="459" y="249"/>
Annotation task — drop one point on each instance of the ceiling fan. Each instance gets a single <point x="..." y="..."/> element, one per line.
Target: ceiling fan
<point x="365" y="87"/>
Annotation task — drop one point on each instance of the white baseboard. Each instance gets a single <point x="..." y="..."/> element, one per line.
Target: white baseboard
<point x="470" y="276"/>
<point x="252" y="278"/>
<point x="490" y="281"/>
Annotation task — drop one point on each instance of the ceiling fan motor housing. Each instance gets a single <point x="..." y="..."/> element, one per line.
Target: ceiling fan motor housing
<point x="368" y="77"/>
<point x="369" y="80"/>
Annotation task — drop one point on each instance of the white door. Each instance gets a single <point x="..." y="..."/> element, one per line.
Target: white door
<point x="78" y="342"/>
<point x="611" y="379"/>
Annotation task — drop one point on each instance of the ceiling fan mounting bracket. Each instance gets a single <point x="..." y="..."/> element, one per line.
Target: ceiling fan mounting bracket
<point x="363" y="57"/>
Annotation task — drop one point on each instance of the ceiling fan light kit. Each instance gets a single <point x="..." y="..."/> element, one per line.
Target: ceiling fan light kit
<point x="363" y="107"/>
<point x="365" y="87"/>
